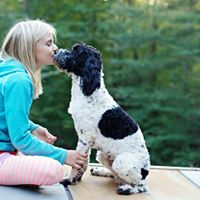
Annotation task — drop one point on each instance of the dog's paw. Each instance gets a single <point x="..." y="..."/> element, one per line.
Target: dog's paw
<point x="101" y="171"/>
<point x="126" y="189"/>
<point x="69" y="181"/>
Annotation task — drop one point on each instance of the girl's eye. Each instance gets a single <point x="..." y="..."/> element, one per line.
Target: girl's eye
<point x="48" y="44"/>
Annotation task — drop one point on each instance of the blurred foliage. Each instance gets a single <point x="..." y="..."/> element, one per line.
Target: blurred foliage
<point x="151" y="51"/>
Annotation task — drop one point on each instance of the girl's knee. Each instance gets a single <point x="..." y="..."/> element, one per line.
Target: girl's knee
<point x="58" y="169"/>
<point x="53" y="174"/>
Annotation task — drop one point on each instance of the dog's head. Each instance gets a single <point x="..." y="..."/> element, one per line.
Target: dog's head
<point x="84" y="61"/>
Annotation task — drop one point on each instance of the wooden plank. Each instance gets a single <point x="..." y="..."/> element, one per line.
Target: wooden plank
<point x="193" y="176"/>
<point x="171" y="185"/>
<point x="164" y="184"/>
<point x="175" y="168"/>
<point x="100" y="188"/>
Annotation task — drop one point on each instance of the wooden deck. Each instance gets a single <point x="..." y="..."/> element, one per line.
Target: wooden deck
<point x="165" y="183"/>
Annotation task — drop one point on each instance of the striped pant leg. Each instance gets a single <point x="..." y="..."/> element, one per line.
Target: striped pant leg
<point x="34" y="170"/>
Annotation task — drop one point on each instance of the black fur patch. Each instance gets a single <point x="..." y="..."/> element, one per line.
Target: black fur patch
<point x="117" y="124"/>
<point x="144" y="173"/>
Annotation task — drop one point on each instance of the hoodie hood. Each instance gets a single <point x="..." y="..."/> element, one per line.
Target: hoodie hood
<point x="10" y="66"/>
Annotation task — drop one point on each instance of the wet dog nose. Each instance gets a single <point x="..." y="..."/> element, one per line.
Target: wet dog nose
<point x="55" y="51"/>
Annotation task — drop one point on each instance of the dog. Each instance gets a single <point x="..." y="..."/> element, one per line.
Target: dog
<point x="102" y="124"/>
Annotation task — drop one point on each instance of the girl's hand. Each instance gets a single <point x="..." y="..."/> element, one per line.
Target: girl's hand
<point x="75" y="159"/>
<point x="44" y="135"/>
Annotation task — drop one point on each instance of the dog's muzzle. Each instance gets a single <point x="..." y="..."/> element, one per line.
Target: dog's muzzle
<point x="61" y="57"/>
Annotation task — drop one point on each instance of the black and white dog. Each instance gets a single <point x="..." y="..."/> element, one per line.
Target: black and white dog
<point x="102" y="124"/>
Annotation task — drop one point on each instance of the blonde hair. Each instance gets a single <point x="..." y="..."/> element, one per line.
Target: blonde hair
<point x="20" y="43"/>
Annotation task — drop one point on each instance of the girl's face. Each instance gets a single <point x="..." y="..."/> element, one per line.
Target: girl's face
<point x="44" y="51"/>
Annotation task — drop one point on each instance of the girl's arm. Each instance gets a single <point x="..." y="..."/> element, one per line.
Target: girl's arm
<point x="18" y="96"/>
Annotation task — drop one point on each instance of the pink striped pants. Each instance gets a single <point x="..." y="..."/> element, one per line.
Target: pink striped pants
<point x="30" y="170"/>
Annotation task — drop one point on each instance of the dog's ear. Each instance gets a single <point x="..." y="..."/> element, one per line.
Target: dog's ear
<point x="91" y="77"/>
<point x="78" y="47"/>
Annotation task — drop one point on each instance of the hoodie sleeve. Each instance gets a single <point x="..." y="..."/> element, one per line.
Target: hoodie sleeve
<point x="18" y="99"/>
<point x="32" y="126"/>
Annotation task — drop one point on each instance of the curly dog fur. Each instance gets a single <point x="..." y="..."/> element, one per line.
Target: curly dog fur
<point x="102" y="124"/>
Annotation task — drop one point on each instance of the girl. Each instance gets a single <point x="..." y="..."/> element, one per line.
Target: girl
<point x="27" y="47"/>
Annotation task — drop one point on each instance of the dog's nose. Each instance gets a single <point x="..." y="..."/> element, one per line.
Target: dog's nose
<point x="58" y="52"/>
<point x="55" y="51"/>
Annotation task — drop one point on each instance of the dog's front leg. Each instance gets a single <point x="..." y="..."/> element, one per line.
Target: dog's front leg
<point x="76" y="174"/>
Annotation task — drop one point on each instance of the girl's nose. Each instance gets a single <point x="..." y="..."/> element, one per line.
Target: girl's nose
<point x="55" y="48"/>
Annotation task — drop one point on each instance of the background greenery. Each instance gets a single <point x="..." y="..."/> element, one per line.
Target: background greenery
<point x="151" y="53"/>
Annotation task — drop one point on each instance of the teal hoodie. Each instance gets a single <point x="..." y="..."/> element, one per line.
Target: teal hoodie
<point x="16" y="96"/>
